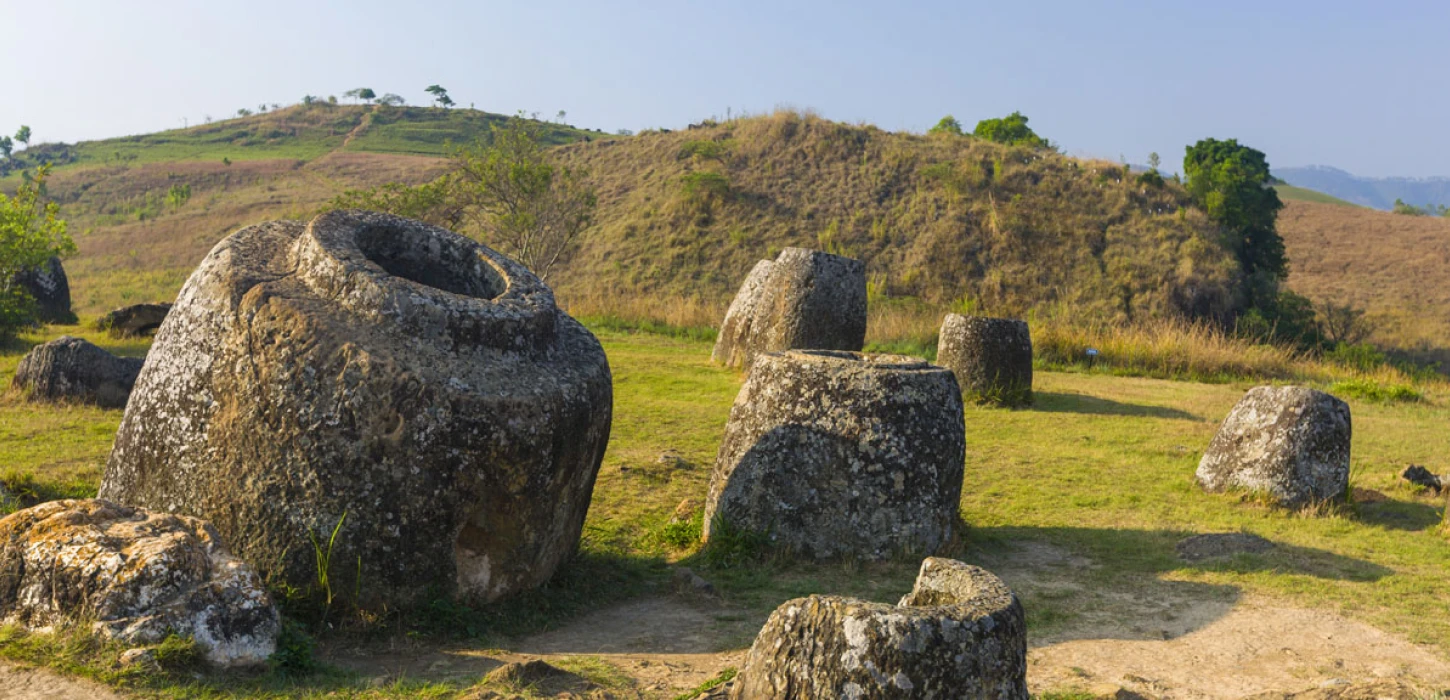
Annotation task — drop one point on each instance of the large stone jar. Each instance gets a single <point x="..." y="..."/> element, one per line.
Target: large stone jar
<point x="834" y="453"/>
<point x="50" y="288"/>
<point x="803" y="299"/>
<point x="1287" y="443"/>
<point x="992" y="358"/>
<point x="402" y="380"/>
<point x="960" y="633"/>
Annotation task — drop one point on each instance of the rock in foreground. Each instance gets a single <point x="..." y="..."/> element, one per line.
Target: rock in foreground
<point x="419" y="388"/>
<point x="992" y="358"/>
<point x="135" y="320"/>
<point x="804" y="299"/>
<point x="841" y="454"/>
<point x="960" y="633"/>
<point x="1289" y="443"/>
<point x="133" y="575"/>
<point x="74" y="369"/>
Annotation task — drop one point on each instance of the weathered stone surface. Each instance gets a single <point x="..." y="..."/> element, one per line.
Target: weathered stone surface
<point x="734" y="337"/>
<point x="74" y="369"/>
<point x="134" y="575"/>
<point x="805" y="299"/>
<point x="992" y="358"/>
<point x="1288" y="442"/>
<point x="960" y="633"/>
<point x="837" y="453"/>
<point x="366" y="365"/>
<point x="51" y="290"/>
<point x="134" y="320"/>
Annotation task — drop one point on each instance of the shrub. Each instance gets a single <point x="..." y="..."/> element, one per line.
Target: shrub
<point x="1371" y="390"/>
<point x="704" y="150"/>
<point x="1011" y="130"/>
<point x="294" y="655"/>
<point x="705" y="185"/>
<point x="1361" y="356"/>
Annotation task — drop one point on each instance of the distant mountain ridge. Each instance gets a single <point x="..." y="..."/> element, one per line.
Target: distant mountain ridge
<point x="1376" y="192"/>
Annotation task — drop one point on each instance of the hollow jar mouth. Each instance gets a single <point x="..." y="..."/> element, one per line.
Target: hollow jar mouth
<point x="436" y="262"/>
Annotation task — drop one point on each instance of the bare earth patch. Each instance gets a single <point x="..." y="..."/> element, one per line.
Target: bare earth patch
<point x="24" y="683"/>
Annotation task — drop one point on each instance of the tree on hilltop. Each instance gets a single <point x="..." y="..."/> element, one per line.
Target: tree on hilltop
<point x="6" y="146"/>
<point x="23" y="135"/>
<point x="364" y="94"/>
<point x="392" y="100"/>
<point x="947" y="125"/>
<point x="440" y="95"/>
<point x="1011" y="130"/>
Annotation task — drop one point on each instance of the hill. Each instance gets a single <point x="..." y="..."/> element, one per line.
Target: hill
<point x="1395" y="266"/>
<point x="682" y="214"/>
<point x="941" y="219"/>
<point x="1290" y="193"/>
<point x="1379" y="193"/>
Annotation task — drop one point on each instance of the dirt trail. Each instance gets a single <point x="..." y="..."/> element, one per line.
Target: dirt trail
<point x="23" y="683"/>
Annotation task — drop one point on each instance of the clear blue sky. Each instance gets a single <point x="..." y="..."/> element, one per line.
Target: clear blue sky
<point x="1360" y="86"/>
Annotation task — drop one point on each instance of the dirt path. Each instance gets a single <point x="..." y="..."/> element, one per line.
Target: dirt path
<point x="23" y="683"/>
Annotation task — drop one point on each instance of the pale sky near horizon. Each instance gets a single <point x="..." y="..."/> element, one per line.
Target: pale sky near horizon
<point x="1355" y="85"/>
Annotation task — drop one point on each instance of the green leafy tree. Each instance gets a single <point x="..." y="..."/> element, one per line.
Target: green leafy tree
<point x="1231" y="183"/>
<point x="528" y="206"/>
<point x="1154" y="161"/>
<point x="31" y="232"/>
<point x="947" y="125"/>
<point x="6" y="146"/>
<point x="392" y="100"/>
<point x="1011" y="129"/>
<point x="436" y="202"/>
<point x="440" y="95"/>
<point x="23" y="135"/>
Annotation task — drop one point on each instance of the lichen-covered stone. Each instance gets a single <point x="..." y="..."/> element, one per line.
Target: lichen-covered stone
<point x="734" y="337"/>
<point x="1290" y="443"/>
<point x="992" y="358"/>
<point x="70" y="368"/>
<point x="419" y="388"/>
<point x="134" y="320"/>
<point x="49" y="287"/>
<point x="960" y="633"/>
<point x="133" y="575"/>
<point x="838" y="453"/>
<point x="807" y="300"/>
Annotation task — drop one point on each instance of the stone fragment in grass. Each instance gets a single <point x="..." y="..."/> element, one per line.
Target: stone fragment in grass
<point x="991" y="357"/>
<point x="960" y="633"/>
<point x="69" y="368"/>
<point x="1221" y="544"/>
<point x="133" y="575"/>
<point x="417" y="392"/>
<point x="134" y="320"/>
<point x="1287" y="443"/>
<point x="832" y="453"/>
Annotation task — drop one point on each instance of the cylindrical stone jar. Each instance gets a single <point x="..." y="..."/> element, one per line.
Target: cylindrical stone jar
<point x="419" y="388"/>
<point x="960" y="633"/>
<point x="992" y="358"/>
<point x="832" y="453"/>
<point x="805" y="299"/>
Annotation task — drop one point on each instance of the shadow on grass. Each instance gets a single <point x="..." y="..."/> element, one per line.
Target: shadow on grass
<point x="1052" y="402"/>
<point x="1398" y="515"/>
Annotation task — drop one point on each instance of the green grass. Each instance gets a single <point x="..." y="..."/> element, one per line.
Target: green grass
<point x="1101" y="467"/>
<point x="1300" y="194"/>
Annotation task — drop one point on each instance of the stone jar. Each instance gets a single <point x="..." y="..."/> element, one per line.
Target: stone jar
<point x="804" y="299"/>
<point x="992" y="358"/>
<point x="50" y="288"/>
<point x="960" y="633"/>
<point x="833" y="453"/>
<point x="134" y="320"/>
<point x="1290" y="443"/>
<point x="413" y="389"/>
<point x="70" y="368"/>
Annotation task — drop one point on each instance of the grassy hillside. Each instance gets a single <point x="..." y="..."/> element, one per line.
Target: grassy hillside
<point x="1395" y="266"/>
<point x="298" y="132"/>
<point x="940" y="219"/>
<point x="1290" y="193"/>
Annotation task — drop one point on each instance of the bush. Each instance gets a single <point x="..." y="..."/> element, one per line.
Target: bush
<point x="1371" y="390"/>
<point x="294" y="655"/>
<point x="1362" y="356"/>
<point x="704" y="150"/>
<point x="705" y="185"/>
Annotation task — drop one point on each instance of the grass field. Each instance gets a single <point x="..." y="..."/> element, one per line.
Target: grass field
<point x="1101" y="467"/>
